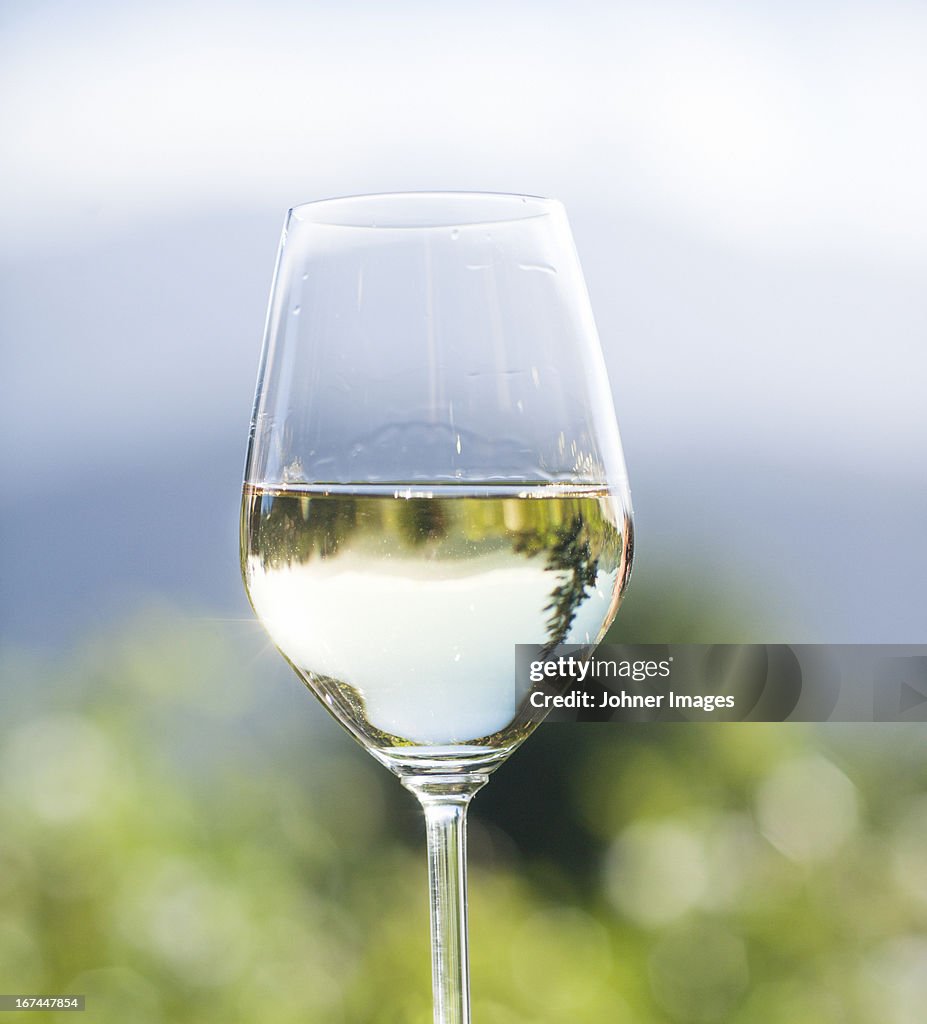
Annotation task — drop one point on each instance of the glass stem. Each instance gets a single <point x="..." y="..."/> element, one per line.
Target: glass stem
<point x="445" y="800"/>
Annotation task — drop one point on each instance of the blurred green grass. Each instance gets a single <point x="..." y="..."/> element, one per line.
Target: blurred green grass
<point x="186" y="840"/>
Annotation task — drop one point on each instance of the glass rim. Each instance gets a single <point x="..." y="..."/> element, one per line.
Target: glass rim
<point x="407" y="210"/>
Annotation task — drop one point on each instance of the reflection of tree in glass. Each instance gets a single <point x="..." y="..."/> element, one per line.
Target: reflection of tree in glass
<point x="422" y="520"/>
<point x="570" y="554"/>
<point x="297" y="530"/>
<point x="568" y="551"/>
<point x="577" y="537"/>
<point x="334" y="522"/>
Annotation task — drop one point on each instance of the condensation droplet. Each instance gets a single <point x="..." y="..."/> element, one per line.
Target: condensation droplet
<point x="296" y="310"/>
<point x="306" y="276"/>
<point x="455" y="234"/>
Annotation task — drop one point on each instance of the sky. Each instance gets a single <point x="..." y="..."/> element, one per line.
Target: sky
<point x="764" y="123"/>
<point x="744" y="182"/>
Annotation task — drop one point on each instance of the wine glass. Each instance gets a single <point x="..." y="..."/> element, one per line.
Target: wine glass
<point x="434" y="475"/>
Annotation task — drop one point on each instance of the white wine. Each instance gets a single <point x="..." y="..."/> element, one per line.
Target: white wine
<point x="401" y="608"/>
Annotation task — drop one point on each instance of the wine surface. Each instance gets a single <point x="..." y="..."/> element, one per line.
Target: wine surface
<point x="401" y="608"/>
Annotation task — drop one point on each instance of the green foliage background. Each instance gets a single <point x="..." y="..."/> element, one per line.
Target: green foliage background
<point x="186" y="837"/>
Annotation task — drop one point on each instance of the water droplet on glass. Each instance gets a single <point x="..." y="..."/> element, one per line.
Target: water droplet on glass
<point x="545" y="268"/>
<point x="296" y="310"/>
<point x="306" y="276"/>
<point x="455" y="234"/>
<point x="458" y="444"/>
